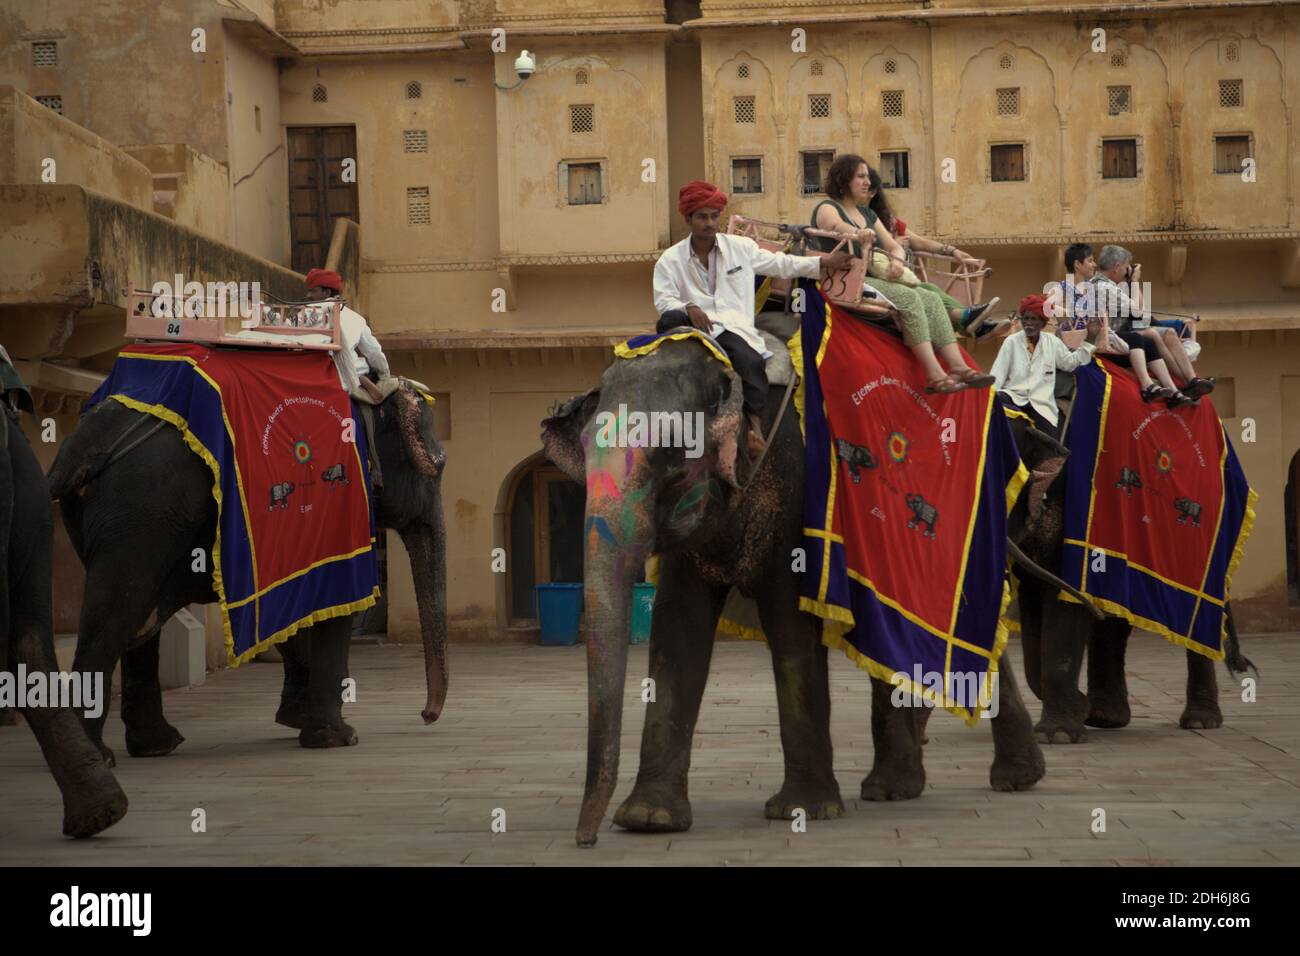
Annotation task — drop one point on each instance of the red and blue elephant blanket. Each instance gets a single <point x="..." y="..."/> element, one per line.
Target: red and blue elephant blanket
<point x="1157" y="509"/>
<point x="295" y="535"/>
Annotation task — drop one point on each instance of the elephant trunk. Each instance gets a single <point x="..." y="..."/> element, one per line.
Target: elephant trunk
<point x="618" y="538"/>
<point x="426" y="545"/>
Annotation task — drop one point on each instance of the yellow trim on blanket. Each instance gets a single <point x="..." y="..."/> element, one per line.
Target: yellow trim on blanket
<point x="761" y="293"/>
<point x="622" y="350"/>
<point x="974" y="514"/>
<point x="1017" y="413"/>
<point x="218" y="584"/>
<point x="300" y="572"/>
<point x="1089" y="548"/>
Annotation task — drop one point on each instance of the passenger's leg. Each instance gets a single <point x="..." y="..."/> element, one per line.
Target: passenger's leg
<point x="912" y="319"/>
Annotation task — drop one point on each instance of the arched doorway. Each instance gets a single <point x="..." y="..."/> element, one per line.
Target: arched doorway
<point x="1291" y="506"/>
<point x="543" y="533"/>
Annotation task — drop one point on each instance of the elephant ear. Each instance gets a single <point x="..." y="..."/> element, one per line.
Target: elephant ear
<point x="415" y="422"/>
<point x="562" y="434"/>
<point x="725" y="429"/>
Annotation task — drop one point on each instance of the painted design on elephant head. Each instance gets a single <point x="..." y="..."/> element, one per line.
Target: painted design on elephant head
<point x="923" y="513"/>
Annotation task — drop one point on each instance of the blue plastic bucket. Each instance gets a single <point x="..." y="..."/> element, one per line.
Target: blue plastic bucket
<point x="643" y="605"/>
<point x="559" y="609"/>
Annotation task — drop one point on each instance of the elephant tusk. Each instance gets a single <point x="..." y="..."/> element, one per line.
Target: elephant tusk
<point x="1051" y="578"/>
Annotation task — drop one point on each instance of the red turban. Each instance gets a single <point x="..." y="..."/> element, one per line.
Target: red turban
<point x="325" y="278"/>
<point x="1033" y="305"/>
<point x="698" y="194"/>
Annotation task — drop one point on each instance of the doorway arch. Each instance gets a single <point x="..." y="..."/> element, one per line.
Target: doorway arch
<point x="540" y="512"/>
<point x="1291" y="508"/>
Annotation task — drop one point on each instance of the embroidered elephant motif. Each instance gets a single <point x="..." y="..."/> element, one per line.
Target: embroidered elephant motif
<point x="923" y="513"/>
<point x="334" y="474"/>
<point x="855" y="456"/>
<point x="280" y="495"/>
<point x="1188" y="510"/>
<point x="1128" y="480"/>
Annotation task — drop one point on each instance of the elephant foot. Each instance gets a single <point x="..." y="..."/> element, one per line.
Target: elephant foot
<point x="1109" y="711"/>
<point x="818" y="802"/>
<point x="1060" y="729"/>
<point x="322" y="737"/>
<point x="1201" y="715"/>
<point x="654" y="810"/>
<point x="1018" y="771"/>
<point x="86" y="817"/>
<point x="292" y="715"/>
<point x="894" y="783"/>
<point x="154" y="743"/>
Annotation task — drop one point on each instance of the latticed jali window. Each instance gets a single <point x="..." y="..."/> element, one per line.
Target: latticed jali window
<point x="415" y="140"/>
<point x="417" y="206"/>
<point x="891" y="102"/>
<point x="1230" y="93"/>
<point x="1119" y="99"/>
<point x="744" y="109"/>
<point x="891" y="66"/>
<point x="318" y="94"/>
<point x="817" y="69"/>
<point x="1232" y="53"/>
<point x="581" y="78"/>
<point x="742" y="71"/>
<point x="819" y="106"/>
<point x="414" y="90"/>
<point x="582" y="118"/>
<point x="45" y="53"/>
<point x="1118" y="59"/>
<point x="1005" y="62"/>
<point x="53" y="102"/>
<point x="1009" y="101"/>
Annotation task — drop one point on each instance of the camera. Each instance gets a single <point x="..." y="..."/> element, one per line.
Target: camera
<point x="525" y="65"/>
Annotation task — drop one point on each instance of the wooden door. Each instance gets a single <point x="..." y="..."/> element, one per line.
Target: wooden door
<point x="318" y="193"/>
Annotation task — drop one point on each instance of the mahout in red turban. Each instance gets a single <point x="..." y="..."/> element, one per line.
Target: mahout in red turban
<point x="325" y="279"/>
<point x="1033" y="305"/>
<point x="698" y="194"/>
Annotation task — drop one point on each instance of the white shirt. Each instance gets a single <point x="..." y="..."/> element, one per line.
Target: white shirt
<point x="1031" y="379"/>
<point x="725" y="291"/>
<point x="360" y="351"/>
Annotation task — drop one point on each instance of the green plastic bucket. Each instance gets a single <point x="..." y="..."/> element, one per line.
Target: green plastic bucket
<point x="643" y="605"/>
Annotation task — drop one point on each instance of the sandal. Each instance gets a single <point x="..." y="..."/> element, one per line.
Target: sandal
<point x="1178" y="399"/>
<point x="973" y="378"/>
<point x="1198" y="387"/>
<point x="1153" y="392"/>
<point x="945" y="386"/>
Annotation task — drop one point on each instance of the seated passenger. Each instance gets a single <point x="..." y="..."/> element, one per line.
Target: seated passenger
<point x="707" y="281"/>
<point x="1114" y="266"/>
<point x="361" y="361"/>
<point x="1168" y="342"/>
<point x="1026" y="366"/>
<point x="966" y="320"/>
<point x="1070" y="300"/>
<point x="925" y="323"/>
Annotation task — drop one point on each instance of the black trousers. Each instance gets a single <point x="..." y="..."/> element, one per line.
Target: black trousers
<point x="1041" y="423"/>
<point x="749" y="365"/>
<point x="1139" y="342"/>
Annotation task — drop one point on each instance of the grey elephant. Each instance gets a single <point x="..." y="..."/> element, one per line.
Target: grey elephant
<point x="335" y="475"/>
<point x="134" y="520"/>
<point x="712" y="536"/>
<point x="92" y="799"/>
<point x="1055" y="633"/>
<point x="924" y="514"/>
<point x="280" y="495"/>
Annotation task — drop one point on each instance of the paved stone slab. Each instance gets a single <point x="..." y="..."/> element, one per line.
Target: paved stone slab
<point x="513" y="738"/>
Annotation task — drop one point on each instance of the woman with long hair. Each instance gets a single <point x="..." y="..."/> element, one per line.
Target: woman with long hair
<point x="927" y="328"/>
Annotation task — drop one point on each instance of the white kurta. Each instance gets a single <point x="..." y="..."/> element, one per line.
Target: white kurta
<point x="360" y="350"/>
<point x="1031" y="379"/>
<point x="730" y="305"/>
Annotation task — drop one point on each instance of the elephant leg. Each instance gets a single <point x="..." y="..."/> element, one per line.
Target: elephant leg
<point x="328" y="646"/>
<point x="147" y="732"/>
<point x="1202" y="711"/>
<point x="293" y="695"/>
<point x="1017" y="759"/>
<point x="1065" y="635"/>
<point x="799" y="662"/>
<point x="1107" y="686"/>
<point x="1030" y="599"/>
<point x="92" y="799"/>
<point x="681" y="646"/>
<point x="897" y="772"/>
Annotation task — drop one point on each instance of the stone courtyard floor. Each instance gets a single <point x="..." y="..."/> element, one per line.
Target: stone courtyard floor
<point x="513" y="737"/>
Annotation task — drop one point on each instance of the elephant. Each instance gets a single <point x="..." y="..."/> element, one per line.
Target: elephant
<point x="717" y="523"/>
<point x="92" y="799"/>
<point x="1055" y="633"/>
<point x="135" y="520"/>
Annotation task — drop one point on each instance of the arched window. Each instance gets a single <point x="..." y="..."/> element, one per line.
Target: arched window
<point x="414" y="90"/>
<point x="581" y="78"/>
<point x="545" y="512"/>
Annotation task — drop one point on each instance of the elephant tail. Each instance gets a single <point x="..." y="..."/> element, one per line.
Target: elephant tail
<point x="1237" y="662"/>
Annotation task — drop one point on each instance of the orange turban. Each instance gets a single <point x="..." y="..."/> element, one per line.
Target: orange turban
<point x="698" y="194"/>
<point x="325" y="279"/>
<point x="1033" y="305"/>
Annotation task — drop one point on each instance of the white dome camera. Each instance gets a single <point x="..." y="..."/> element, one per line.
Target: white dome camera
<point x="526" y="65"/>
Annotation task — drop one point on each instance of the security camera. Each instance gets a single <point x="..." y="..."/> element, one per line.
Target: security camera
<point x="526" y="65"/>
